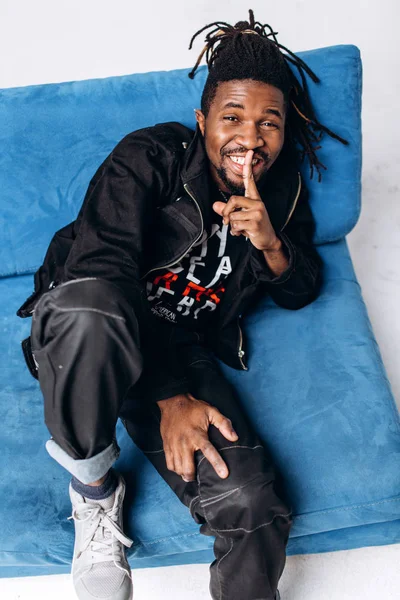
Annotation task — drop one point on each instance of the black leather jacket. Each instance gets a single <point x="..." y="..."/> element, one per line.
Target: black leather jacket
<point x="149" y="202"/>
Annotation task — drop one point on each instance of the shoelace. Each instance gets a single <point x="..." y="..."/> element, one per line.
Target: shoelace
<point x="104" y="549"/>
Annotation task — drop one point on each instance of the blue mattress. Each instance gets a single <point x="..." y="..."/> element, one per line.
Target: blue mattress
<point x="316" y="390"/>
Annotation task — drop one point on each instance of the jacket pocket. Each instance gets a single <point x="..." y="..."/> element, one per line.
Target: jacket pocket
<point x="175" y="212"/>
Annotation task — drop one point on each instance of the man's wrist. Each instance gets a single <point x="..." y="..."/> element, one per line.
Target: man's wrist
<point x="277" y="259"/>
<point x="275" y="247"/>
<point x="177" y="400"/>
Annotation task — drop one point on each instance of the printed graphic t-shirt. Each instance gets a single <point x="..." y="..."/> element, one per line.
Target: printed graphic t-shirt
<point x="189" y="293"/>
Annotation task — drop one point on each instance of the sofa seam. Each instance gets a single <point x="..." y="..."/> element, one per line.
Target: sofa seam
<point x="347" y="508"/>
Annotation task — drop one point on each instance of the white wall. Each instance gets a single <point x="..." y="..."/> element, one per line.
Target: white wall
<point x="49" y="41"/>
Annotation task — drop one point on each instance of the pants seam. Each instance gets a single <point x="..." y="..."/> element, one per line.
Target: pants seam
<point x="191" y="502"/>
<point x="218" y="531"/>
<point x="230" y="448"/>
<point x="218" y="565"/>
<point x="258" y="526"/>
<point x="222" y="496"/>
<point x="76" y="281"/>
<point x="199" y="484"/>
<point x="219" y="497"/>
<point x="86" y="309"/>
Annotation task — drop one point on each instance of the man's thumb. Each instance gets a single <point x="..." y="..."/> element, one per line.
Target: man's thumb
<point x="218" y="207"/>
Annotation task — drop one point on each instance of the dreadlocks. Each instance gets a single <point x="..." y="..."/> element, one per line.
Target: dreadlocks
<point x="250" y="50"/>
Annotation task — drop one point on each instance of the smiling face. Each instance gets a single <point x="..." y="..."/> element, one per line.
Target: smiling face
<point x="244" y="115"/>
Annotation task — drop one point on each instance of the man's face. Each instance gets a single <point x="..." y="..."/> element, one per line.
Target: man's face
<point x="244" y="115"/>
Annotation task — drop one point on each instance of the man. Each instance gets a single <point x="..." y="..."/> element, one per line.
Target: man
<point x="177" y="236"/>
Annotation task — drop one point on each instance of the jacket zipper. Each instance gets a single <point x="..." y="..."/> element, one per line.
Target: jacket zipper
<point x="294" y="203"/>
<point x="240" y="350"/>
<point x="191" y="245"/>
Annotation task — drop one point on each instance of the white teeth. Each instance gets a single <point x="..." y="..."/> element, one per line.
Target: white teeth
<point x="237" y="159"/>
<point x="240" y="160"/>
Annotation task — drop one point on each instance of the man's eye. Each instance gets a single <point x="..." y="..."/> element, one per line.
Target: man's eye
<point x="269" y="124"/>
<point x="230" y="118"/>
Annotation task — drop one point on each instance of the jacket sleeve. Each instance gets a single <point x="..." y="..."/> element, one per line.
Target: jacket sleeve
<point x="301" y="282"/>
<point x="116" y="214"/>
<point x="111" y="228"/>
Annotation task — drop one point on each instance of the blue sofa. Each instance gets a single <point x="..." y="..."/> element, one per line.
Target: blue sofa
<point x="316" y="389"/>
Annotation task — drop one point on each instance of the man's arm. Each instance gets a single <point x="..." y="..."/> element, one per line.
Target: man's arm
<point x="110" y="234"/>
<point x="287" y="263"/>
<point x="111" y="228"/>
<point x="300" y="282"/>
<point x="117" y="213"/>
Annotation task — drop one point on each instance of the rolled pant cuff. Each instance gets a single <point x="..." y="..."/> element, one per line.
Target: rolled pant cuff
<point x="86" y="470"/>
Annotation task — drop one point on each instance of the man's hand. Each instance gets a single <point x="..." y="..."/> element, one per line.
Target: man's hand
<point x="184" y="429"/>
<point x="248" y="215"/>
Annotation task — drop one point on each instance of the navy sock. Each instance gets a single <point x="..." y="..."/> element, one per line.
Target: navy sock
<point x="96" y="492"/>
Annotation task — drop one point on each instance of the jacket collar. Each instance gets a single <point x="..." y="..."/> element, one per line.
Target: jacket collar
<point x="279" y="187"/>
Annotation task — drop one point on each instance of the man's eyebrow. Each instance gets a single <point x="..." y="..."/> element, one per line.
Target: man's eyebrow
<point x="233" y="105"/>
<point x="267" y="111"/>
<point x="273" y="111"/>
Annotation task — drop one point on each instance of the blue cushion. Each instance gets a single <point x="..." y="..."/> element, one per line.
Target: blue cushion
<point x="57" y="135"/>
<point x="316" y="390"/>
<point x="321" y="402"/>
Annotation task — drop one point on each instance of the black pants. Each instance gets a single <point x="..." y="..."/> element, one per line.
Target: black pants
<point x="85" y="341"/>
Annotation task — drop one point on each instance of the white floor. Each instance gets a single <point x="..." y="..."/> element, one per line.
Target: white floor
<point x="365" y="574"/>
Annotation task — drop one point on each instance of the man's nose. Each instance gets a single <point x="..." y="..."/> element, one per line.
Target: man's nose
<point x="249" y="136"/>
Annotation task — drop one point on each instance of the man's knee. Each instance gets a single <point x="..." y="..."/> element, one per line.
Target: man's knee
<point x="88" y="293"/>
<point x="246" y="500"/>
<point x="81" y="305"/>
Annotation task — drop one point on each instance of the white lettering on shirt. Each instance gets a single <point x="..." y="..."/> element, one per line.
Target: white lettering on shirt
<point x="193" y="265"/>
<point x="185" y="302"/>
<point x="159" y="292"/>
<point x="224" y="268"/>
<point x="222" y="236"/>
<point x="211" y="305"/>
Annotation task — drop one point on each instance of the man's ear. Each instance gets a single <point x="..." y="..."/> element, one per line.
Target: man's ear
<point x="201" y="120"/>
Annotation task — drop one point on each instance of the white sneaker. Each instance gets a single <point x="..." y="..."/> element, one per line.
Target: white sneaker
<point x="100" y="570"/>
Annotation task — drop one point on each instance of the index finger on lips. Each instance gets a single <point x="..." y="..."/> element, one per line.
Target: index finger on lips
<point x="250" y="188"/>
<point x="214" y="458"/>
